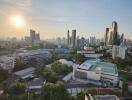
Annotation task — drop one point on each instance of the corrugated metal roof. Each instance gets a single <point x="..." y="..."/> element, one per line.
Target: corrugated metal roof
<point x="25" y="71"/>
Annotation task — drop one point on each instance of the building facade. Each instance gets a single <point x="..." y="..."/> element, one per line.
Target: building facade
<point x="96" y="71"/>
<point x="73" y="38"/>
<point x="119" y="51"/>
<point x="7" y="63"/>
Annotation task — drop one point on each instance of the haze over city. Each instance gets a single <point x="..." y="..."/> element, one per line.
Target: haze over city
<point x="65" y="49"/>
<point x="52" y="18"/>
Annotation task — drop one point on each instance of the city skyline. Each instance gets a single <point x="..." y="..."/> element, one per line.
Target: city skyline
<point x="53" y="18"/>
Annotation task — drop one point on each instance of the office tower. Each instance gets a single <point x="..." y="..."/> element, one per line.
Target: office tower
<point x="122" y="37"/>
<point x="114" y="36"/>
<point x="110" y="37"/>
<point x="32" y="34"/>
<point x="70" y="45"/>
<point x="37" y="37"/>
<point x="106" y="36"/>
<point x="73" y="38"/>
<point x="78" y="42"/>
<point x="114" y="26"/>
<point x="68" y="38"/>
<point x="115" y="33"/>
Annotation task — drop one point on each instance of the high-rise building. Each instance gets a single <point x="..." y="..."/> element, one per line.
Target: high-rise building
<point x="82" y="42"/>
<point x="37" y="37"/>
<point x="119" y="51"/>
<point x="73" y="38"/>
<point x="122" y="38"/>
<point x="32" y="34"/>
<point x="106" y="36"/>
<point x="115" y="33"/>
<point x="78" y="42"/>
<point x="114" y="26"/>
<point x="92" y="41"/>
<point x="68" y="38"/>
<point x="112" y="35"/>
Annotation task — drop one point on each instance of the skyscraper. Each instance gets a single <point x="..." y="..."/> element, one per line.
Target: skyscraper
<point x="115" y="33"/>
<point x="68" y="38"/>
<point x="114" y="26"/>
<point x="32" y="35"/>
<point x="37" y="37"/>
<point x="114" y="36"/>
<point x="106" y="36"/>
<point x="73" y="38"/>
<point x="122" y="38"/>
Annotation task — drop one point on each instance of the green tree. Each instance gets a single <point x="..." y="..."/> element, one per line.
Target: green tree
<point x="125" y="89"/>
<point x="81" y="96"/>
<point x="50" y="76"/>
<point x="118" y="61"/>
<point x="61" y="69"/>
<point x="34" y="96"/>
<point x="18" y="88"/>
<point x="117" y="93"/>
<point x="53" y="91"/>
<point x="79" y="58"/>
<point x="3" y="75"/>
<point x="40" y="69"/>
<point x="91" y="90"/>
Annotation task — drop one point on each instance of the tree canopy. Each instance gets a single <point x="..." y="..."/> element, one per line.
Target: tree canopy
<point x="3" y="75"/>
<point x="61" y="69"/>
<point x="53" y="91"/>
<point x="18" y="88"/>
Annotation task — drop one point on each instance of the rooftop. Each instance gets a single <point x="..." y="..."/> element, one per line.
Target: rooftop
<point x="24" y="72"/>
<point x="101" y="97"/>
<point x="106" y="97"/>
<point x="34" y="52"/>
<point x="64" y="61"/>
<point x="94" y="65"/>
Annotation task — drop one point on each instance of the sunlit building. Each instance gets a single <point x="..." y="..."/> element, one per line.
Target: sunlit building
<point x="97" y="71"/>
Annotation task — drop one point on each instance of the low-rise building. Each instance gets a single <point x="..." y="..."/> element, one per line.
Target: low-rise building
<point x="89" y="52"/>
<point x="64" y="61"/>
<point x="63" y="50"/>
<point x="38" y="54"/>
<point x="101" y="97"/>
<point x="7" y="63"/>
<point x="25" y="74"/>
<point x="97" y="71"/>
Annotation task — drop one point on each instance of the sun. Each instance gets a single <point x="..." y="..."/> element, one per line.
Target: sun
<point x="17" y="21"/>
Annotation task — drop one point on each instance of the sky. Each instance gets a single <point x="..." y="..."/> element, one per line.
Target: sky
<point x="52" y="18"/>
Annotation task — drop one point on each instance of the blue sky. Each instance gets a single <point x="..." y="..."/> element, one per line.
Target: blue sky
<point x="52" y="18"/>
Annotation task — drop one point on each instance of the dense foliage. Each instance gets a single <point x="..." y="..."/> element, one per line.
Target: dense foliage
<point x="17" y="89"/>
<point x="53" y="91"/>
<point x="79" y="58"/>
<point x="3" y="75"/>
<point x="46" y="73"/>
<point x="61" y="69"/>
